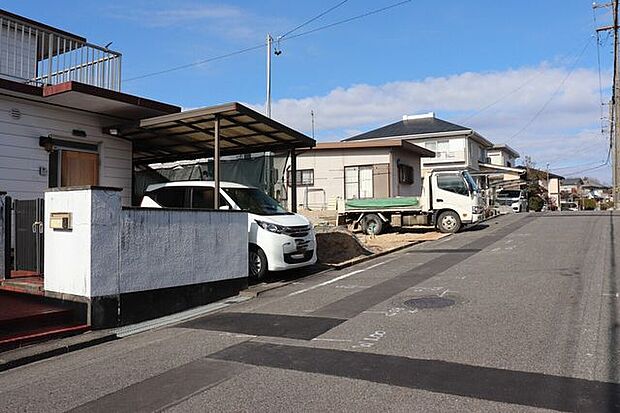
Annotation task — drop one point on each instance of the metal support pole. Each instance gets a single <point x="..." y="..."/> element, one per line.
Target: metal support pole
<point x="293" y="181"/>
<point x="616" y="111"/>
<point x="268" y="102"/>
<point x="216" y="163"/>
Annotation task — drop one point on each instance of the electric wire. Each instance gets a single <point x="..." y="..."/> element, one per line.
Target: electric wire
<point x="262" y="45"/>
<point x="312" y="19"/>
<point x="555" y="92"/>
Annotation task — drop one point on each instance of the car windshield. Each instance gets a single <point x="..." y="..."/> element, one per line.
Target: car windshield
<point x="470" y="182"/>
<point x="255" y="201"/>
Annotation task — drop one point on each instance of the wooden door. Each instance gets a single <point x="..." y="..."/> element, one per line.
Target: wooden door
<point x="79" y="168"/>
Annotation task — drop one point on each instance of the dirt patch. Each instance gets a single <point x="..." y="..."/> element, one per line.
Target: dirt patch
<point x="379" y="243"/>
<point x="336" y="245"/>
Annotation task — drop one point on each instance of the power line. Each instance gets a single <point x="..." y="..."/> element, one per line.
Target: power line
<point x="262" y="45"/>
<point x="555" y="92"/>
<point x="312" y="19"/>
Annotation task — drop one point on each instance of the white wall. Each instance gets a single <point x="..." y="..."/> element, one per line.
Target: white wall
<point x="21" y="156"/>
<point x="456" y="156"/>
<point x="113" y="251"/>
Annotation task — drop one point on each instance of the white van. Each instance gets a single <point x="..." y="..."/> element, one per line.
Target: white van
<point x="279" y="240"/>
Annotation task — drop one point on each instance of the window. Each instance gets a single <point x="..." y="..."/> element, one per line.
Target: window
<point x="170" y="197"/>
<point x="446" y="149"/>
<point x="358" y="182"/>
<point x="452" y="183"/>
<point x="305" y="177"/>
<point x="202" y="197"/>
<point x="405" y="174"/>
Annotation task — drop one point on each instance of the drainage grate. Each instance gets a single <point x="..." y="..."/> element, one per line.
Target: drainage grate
<point x="429" y="302"/>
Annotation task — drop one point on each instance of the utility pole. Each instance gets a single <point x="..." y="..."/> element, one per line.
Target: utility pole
<point x="615" y="102"/>
<point x="268" y="102"/>
<point x="312" y="115"/>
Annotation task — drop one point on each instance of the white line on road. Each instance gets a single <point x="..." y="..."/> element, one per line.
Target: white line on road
<point x="332" y="339"/>
<point x="380" y="263"/>
<point x="333" y="280"/>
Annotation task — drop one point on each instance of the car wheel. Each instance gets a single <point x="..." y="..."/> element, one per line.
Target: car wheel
<point x="257" y="263"/>
<point x="448" y="222"/>
<point x="372" y="224"/>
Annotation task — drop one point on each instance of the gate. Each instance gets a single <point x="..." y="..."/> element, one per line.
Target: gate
<point x="28" y="224"/>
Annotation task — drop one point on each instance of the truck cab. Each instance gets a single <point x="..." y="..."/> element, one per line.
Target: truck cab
<point x="454" y="199"/>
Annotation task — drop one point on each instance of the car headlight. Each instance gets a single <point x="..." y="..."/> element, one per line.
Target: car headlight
<point x="278" y="229"/>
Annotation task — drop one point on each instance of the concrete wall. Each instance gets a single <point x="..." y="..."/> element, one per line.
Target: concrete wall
<point x="21" y="157"/>
<point x="168" y="248"/>
<point x="112" y="251"/>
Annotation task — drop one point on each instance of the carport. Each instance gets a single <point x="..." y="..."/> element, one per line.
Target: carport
<point x="228" y="129"/>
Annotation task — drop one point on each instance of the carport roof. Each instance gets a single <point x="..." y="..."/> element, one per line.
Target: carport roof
<point x="191" y="134"/>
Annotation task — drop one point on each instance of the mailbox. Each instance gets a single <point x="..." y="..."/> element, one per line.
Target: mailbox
<point x="61" y="220"/>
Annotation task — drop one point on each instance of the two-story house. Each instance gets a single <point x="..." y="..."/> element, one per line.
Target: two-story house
<point x="455" y="146"/>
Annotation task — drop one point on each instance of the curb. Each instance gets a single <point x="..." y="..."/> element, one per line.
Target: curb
<point x="26" y="355"/>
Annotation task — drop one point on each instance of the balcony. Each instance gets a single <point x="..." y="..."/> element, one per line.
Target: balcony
<point x="37" y="54"/>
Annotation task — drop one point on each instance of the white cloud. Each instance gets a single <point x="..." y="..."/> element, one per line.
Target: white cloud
<point x="566" y="133"/>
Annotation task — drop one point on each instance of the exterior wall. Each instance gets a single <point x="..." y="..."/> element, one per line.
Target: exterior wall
<point x="111" y="251"/>
<point x="413" y="160"/>
<point x="21" y="157"/>
<point x="328" y="166"/>
<point x="554" y="191"/>
<point x="476" y="154"/>
<point x="501" y="158"/>
<point x="455" y="158"/>
<point x="184" y="247"/>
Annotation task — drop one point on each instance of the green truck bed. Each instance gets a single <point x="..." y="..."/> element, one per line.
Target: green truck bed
<point x="401" y="202"/>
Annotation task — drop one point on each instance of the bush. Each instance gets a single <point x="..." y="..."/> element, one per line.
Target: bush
<point x="589" y="204"/>
<point x="606" y="205"/>
<point x="535" y="203"/>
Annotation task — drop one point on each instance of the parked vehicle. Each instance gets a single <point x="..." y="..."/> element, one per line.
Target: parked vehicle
<point x="449" y="200"/>
<point x="513" y="198"/>
<point x="569" y="206"/>
<point x="278" y="239"/>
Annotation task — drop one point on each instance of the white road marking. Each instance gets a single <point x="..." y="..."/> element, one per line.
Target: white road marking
<point x="380" y="263"/>
<point x="333" y="280"/>
<point x="332" y="339"/>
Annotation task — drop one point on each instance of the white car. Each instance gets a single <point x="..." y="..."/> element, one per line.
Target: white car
<point x="278" y="239"/>
<point x="514" y="199"/>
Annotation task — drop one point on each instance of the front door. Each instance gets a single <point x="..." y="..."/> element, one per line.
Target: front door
<point x="79" y="168"/>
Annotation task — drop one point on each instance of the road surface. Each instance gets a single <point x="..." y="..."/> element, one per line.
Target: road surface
<point x="519" y="314"/>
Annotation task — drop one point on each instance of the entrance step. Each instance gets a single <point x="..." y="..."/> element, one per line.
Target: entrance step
<point x="26" y="318"/>
<point x="23" y="284"/>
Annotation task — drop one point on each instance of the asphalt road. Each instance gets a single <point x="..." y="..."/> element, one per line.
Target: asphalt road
<point x="520" y="314"/>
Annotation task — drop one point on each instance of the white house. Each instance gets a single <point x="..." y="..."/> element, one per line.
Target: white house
<point x="455" y="146"/>
<point x="502" y="155"/>
<point x="358" y="169"/>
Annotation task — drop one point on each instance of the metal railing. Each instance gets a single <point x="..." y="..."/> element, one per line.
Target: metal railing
<point x="42" y="57"/>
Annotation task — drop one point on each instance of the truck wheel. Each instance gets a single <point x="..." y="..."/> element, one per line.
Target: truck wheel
<point x="257" y="263"/>
<point x="372" y="224"/>
<point x="449" y="222"/>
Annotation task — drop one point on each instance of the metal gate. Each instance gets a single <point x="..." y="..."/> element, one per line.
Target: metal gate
<point x="28" y="224"/>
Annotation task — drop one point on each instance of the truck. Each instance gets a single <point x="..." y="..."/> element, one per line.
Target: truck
<point x="449" y="200"/>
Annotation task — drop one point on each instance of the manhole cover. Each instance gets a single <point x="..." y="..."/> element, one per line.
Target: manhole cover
<point x="430" y="302"/>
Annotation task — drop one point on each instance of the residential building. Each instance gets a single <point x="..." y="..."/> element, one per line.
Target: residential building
<point x="455" y="146"/>
<point x="571" y="187"/>
<point x="358" y="169"/>
<point x="502" y="155"/>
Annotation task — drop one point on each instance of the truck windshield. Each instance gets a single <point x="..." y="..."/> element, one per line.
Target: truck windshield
<point x="255" y="201"/>
<point x="470" y="181"/>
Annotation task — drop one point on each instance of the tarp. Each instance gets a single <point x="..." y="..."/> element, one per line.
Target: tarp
<point x="383" y="203"/>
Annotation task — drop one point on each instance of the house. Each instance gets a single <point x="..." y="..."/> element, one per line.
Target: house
<point x="58" y="92"/>
<point x="502" y="155"/>
<point x="455" y="146"/>
<point x="358" y="169"/>
<point x="70" y="141"/>
<point x="571" y="187"/>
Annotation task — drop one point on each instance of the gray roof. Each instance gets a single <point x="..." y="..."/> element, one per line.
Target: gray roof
<point x="420" y="126"/>
<point x="572" y="181"/>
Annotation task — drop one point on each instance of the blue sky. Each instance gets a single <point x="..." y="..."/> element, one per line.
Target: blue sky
<point x="521" y="62"/>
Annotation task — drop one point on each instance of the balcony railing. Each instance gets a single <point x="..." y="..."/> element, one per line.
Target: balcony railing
<point x="43" y="57"/>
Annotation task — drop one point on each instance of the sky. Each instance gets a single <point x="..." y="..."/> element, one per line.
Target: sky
<point x="519" y="72"/>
